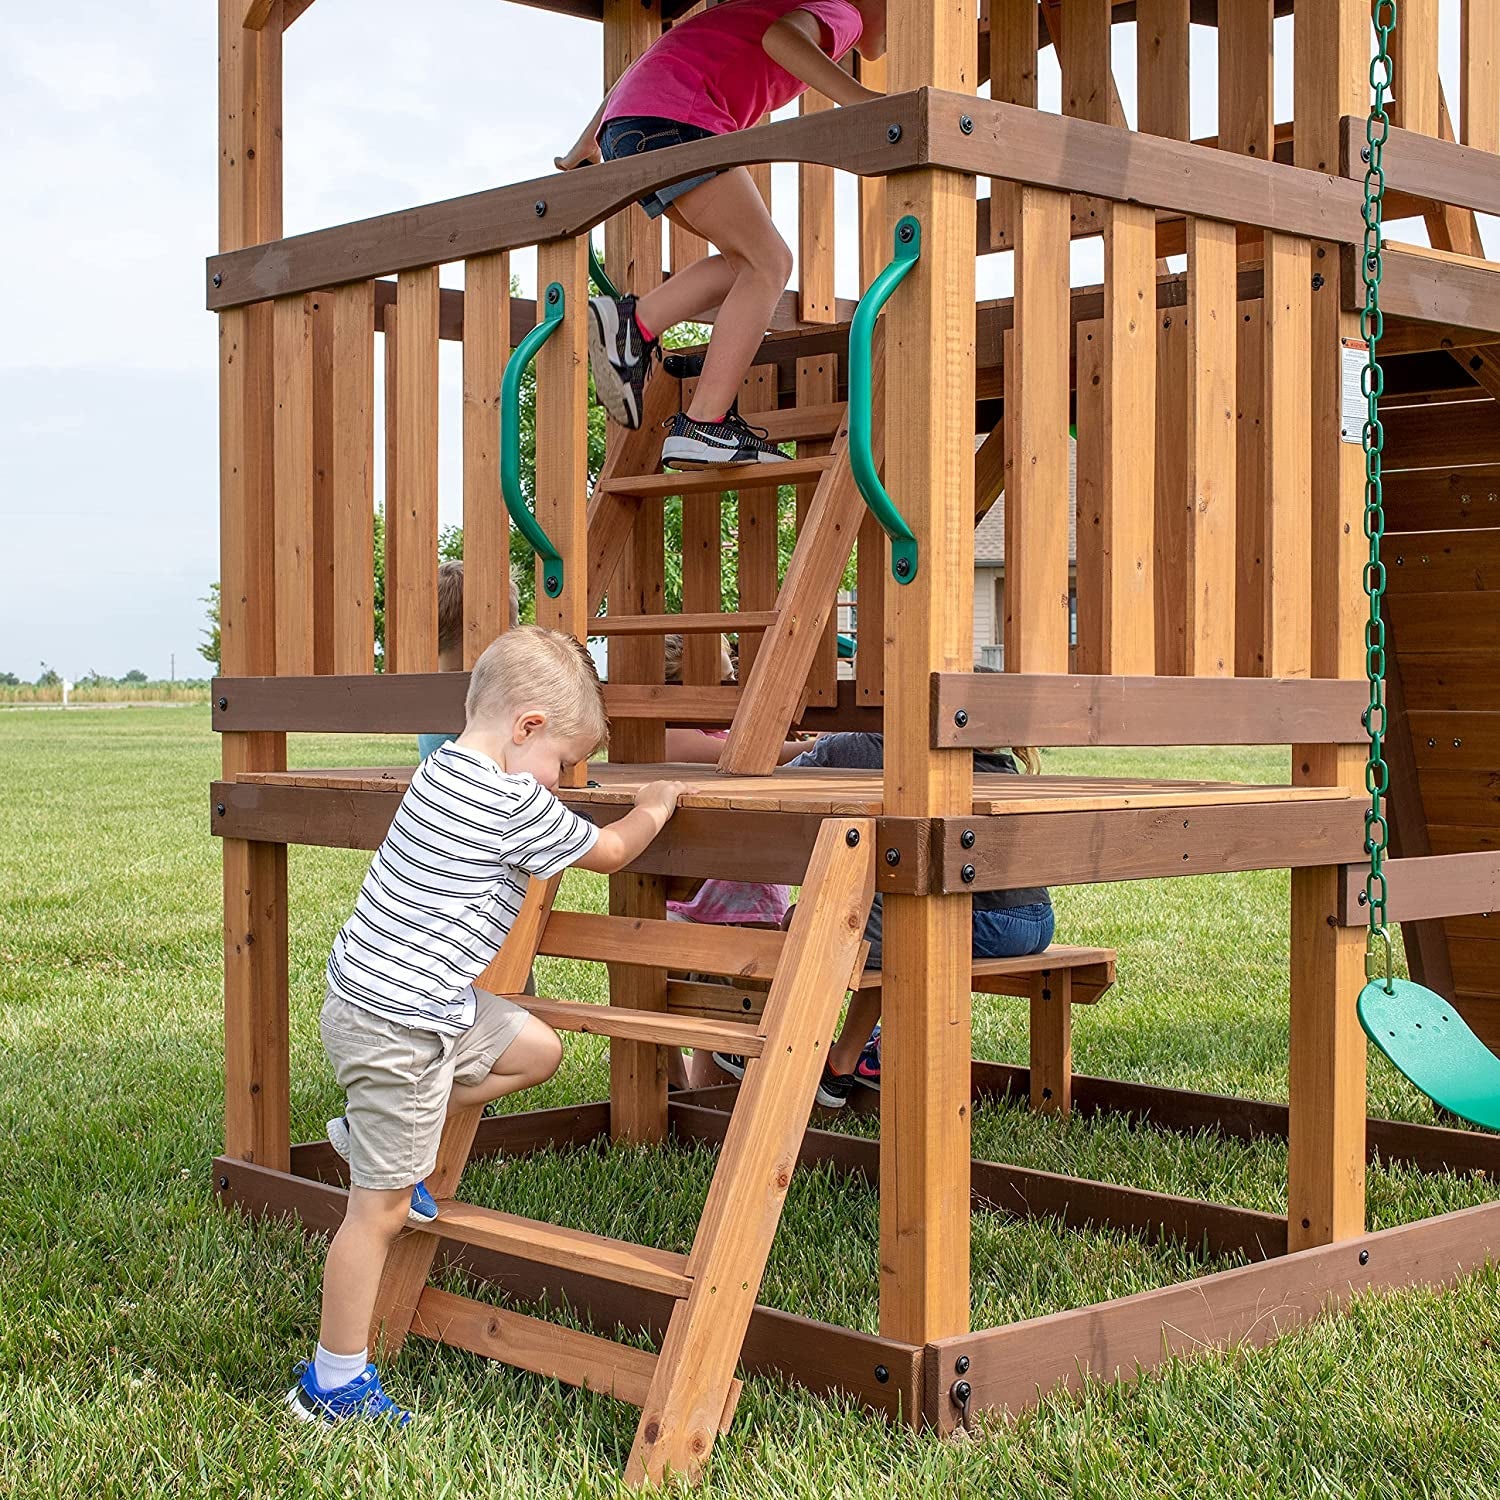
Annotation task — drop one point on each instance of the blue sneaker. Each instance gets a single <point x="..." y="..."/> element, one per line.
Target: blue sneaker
<point x="423" y="1208"/>
<point x="362" y="1397"/>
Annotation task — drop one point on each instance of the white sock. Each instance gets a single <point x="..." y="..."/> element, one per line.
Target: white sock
<point x="333" y="1370"/>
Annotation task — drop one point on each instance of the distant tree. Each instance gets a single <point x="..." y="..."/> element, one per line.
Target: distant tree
<point x="48" y="678"/>
<point x="208" y="647"/>
<point x="9" y="679"/>
<point x="134" y="675"/>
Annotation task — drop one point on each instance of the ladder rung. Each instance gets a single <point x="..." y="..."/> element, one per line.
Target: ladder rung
<point x="705" y="624"/>
<point x="672" y="702"/>
<point x="716" y="1002"/>
<point x="569" y="1249"/>
<point x="735" y="952"/>
<point x="549" y="1349"/>
<point x="646" y="1026"/>
<point x="793" y="424"/>
<point x="720" y="477"/>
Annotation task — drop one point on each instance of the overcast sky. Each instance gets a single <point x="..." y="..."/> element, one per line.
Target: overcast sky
<point x="108" y="404"/>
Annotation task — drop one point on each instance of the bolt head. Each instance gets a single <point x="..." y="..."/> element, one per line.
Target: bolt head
<point x="962" y="1390"/>
<point x="966" y="838"/>
<point x="551" y="583"/>
<point x="1364" y="1257"/>
<point x="961" y="717"/>
<point x="906" y="234"/>
<point x="223" y="1184"/>
<point x="966" y="125"/>
<point x="903" y="567"/>
<point x="552" y="296"/>
<point x="961" y="1364"/>
<point x="967" y="873"/>
<point x="893" y="856"/>
<point x="882" y="1374"/>
<point x="219" y="808"/>
<point x="540" y="206"/>
<point x="223" y="704"/>
<point x="1364" y="153"/>
<point x="218" y="278"/>
<point x="893" y="133"/>
<point x="852" y="838"/>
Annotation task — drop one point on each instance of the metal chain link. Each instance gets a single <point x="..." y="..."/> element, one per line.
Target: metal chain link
<point x="1372" y="384"/>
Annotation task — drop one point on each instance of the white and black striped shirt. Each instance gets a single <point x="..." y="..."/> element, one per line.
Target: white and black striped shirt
<point x="445" y="886"/>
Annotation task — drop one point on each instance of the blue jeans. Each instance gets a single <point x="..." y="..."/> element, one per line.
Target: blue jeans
<point x="1011" y="933"/>
<point x="631" y="135"/>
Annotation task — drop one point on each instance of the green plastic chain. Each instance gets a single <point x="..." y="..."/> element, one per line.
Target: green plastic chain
<point x="1372" y="384"/>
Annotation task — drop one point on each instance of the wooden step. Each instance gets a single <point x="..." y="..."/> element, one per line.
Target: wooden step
<point x="1093" y="970"/>
<point x="548" y="1349"/>
<point x="646" y="1026"/>
<point x="735" y="952"/>
<point x="718" y="478"/>
<point x="568" y="1249"/>
<point x="704" y="624"/>
<point x="672" y="702"/>
<point x="801" y="424"/>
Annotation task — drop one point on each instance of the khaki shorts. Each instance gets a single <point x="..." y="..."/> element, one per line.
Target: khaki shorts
<point x="398" y="1081"/>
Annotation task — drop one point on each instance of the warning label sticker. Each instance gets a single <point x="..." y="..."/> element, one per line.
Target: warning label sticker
<point x="1353" y="407"/>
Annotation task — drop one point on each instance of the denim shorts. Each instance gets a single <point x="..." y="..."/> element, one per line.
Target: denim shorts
<point x="631" y="135"/>
<point x="1011" y="932"/>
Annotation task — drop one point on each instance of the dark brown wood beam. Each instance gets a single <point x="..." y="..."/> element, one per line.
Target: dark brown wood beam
<point x="1427" y="886"/>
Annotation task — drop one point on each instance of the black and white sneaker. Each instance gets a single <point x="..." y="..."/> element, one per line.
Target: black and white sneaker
<point x="619" y="357"/>
<point x="696" y="445"/>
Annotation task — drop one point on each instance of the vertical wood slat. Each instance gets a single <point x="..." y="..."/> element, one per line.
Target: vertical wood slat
<point x="1250" y="494"/>
<point x="1414" y="53"/>
<point x="486" y="527"/>
<point x="322" y="305"/>
<point x="702" y="575"/>
<point x="1036" y="444"/>
<point x="815" y="230"/>
<point x="1013" y="49"/>
<point x="1209" y="558"/>
<point x="758" y="514"/>
<point x="293" y="470"/>
<point x="412" y="524"/>
<point x="391" y="431"/>
<point x="1246" y="77"/>
<point x="1287" y="368"/>
<point x="1173" y="410"/>
<point x="1162" y="29"/>
<point x="1479" y="107"/>
<point x="353" y="489"/>
<point x="1082" y="34"/>
<point x="1128" y="498"/>
<point x="874" y="231"/>
<point x="1089" y="654"/>
<point x="562" y="439"/>
<point x="817" y="385"/>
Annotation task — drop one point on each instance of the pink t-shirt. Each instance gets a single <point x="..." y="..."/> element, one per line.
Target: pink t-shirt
<point x="713" y="70"/>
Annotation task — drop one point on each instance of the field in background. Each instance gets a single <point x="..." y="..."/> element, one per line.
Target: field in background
<point x="146" y="1338"/>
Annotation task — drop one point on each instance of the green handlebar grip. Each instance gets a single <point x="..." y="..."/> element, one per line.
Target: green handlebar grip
<point x="599" y="276"/>
<point x="510" y="441"/>
<point x="861" y="449"/>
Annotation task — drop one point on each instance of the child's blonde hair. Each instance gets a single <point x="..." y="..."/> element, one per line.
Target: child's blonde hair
<point x="1031" y="762"/>
<point x="675" y="648"/>
<point x="450" y="592"/>
<point x="535" y="668"/>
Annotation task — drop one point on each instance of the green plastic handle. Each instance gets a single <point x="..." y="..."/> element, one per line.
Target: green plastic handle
<point x="510" y="441"/>
<point x="599" y="276"/>
<point x="861" y="450"/>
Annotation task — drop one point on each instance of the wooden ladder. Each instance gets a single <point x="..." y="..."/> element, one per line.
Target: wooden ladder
<point x="780" y="635"/>
<point x="686" y="1391"/>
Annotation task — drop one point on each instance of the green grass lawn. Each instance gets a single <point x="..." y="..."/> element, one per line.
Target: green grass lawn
<point x="146" y="1337"/>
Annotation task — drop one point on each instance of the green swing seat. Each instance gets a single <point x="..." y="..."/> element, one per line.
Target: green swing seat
<point x="1430" y="1043"/>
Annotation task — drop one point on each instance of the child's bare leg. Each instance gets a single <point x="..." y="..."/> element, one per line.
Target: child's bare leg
<point x="529" y="1060"/>
<point x="864" y="1012"/>
<point x="729" y="211"/>
<point x="356" y="1259"/>
<point x="688" y="293"/>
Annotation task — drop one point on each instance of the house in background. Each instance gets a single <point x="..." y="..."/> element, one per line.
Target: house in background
<point x="989" y="575"/>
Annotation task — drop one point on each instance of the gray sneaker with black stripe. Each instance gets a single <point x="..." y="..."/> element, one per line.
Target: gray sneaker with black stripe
<point x="619" y="357"/>
<point x="696" y="445"/>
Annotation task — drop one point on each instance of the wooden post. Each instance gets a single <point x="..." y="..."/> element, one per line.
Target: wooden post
<point x="924" y="1138"/>
<point x="632" y="253"/>
<point x="1326" y="1155"/>
<point x="1052" y="1043"/>
<point x="257" y="1125"/>
<point x="293" y="469"/>
<point x="353" y="487"/>
<point x="1479" y="107"/>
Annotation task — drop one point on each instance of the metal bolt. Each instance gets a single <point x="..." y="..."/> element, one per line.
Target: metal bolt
<point x="893" y="856"/>
<point x="906" y="233"/>
<point x="551" y="583"/>
<point x="218" y="278"/>
<point x="966" y="838"/>
<point x="903" y="567"/>
<point x="223" y="704"/>
<point x="1364" y="153"/>
<point x="961" y="1392"/>
<point x="961" y="1364"/>
<point x="1317" y="281"/>
<point x="966" y="125"/>
<point x="223" y="1184"/>
<point x="1364" y="1257"/>
<point x="893" y="133"/>
<point x="852" y="838"/>
<point x="219" y="808"/>
<point x="541" y="207"/>
<point x="882" y="1374"/>
<point x="961" y="717"/>
<point x="1364" y="899"/>
<point x="553" y="293"/>
<point x="968" y="874"/>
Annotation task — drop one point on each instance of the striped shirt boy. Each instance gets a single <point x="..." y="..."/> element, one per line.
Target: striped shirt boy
<point x="445" y="887"/>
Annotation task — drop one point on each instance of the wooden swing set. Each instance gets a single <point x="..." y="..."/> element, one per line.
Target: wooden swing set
<point x="1219" y="600"/>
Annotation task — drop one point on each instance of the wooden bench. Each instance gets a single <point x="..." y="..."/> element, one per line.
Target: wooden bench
<point x="1054" y="982"/>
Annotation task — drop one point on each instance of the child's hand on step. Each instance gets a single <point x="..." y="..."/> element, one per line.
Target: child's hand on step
<point x="661" y="797"/>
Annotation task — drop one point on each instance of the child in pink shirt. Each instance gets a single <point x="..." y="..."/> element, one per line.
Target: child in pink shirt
<point x="719" y="71"/>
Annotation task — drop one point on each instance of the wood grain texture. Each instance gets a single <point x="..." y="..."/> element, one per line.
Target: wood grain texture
<point x="1013" y="66"/>
<point x="486" y="527"/>
<point x="293" y="448"/>
<point x="1479" y="49"/>
<point x="1088" y="655"/>
<point x="1173" y="583"/>
<point x="1250" y="493"/>
<point x="321" y="312"/>
<point x="1414" y="53"/>
<point x="645" y="1026"/>
<point x="412" y="525"/>
<point x="1162" y="66"/>
<point x="1051" y="1048"/>
<point x="353" y="478"/>
<point x="815" y="229"/>
<point x="817" y="385"/>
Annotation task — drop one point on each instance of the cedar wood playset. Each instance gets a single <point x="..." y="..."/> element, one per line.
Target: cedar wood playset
<point x="1214" y="384"/>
